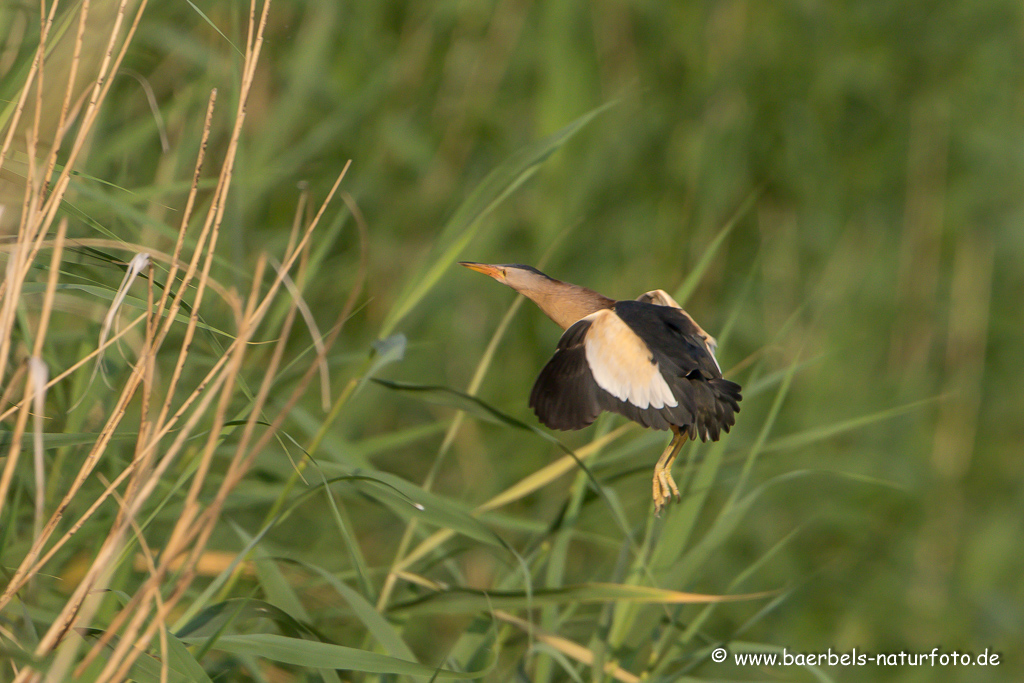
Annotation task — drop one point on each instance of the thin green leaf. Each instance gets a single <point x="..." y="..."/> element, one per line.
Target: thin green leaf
<point x="374" y="622"/>
<point x="827" y="431"/>
<point x="472" y="405"/>
<point x="453" y="398"/>
<point x="276" y="588"/>
<point x="201" y="601"/>
<point x="107" y="294"/>
<point x="568" y="667"/>
<point x="312" y="654"/>
<point x="181" y="660"/>
<point x="770" y="380"/>
<point x="694" y="625"/>
<point x="463" y="600"/>
<point x="355" y="552"/>
<point x="409" y="500"/>
<point x="213" y="619"/>
<point x="214" y="27"/>
<point x="147" y="668"/>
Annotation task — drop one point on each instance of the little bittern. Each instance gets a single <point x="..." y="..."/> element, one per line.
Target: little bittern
<point x="645" y="359"/>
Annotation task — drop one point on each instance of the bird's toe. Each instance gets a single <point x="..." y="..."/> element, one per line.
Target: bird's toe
<point x="665" y="489"/>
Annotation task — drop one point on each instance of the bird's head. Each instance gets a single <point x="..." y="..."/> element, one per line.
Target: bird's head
<point x="525" y="279"/>
<point x="562" y="302"/>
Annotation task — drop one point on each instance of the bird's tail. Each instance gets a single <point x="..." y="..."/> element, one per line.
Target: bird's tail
<point x="719" y="414"/>
<point x="727" y="392"/>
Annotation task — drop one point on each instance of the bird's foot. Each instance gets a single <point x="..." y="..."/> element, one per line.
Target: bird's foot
<point x="664" y="489"/>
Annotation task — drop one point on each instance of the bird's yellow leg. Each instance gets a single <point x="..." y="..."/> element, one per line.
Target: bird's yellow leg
<point x="664" y="485"/>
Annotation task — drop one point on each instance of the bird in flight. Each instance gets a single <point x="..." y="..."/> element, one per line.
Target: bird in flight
<point x="645" y="359"/>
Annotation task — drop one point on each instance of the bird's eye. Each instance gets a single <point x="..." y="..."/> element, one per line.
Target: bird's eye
<point x="504" y="273"/>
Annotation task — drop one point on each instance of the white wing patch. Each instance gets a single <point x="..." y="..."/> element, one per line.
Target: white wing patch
<point x="622" y="364"/>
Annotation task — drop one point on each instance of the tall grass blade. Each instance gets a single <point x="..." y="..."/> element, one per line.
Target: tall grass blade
<point x="824" y="432"/>
<point x="693" y="278"/>
<point x="465" y="222"/>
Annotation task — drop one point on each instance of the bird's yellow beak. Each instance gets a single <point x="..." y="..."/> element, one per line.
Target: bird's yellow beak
<point x="486" y="269"/>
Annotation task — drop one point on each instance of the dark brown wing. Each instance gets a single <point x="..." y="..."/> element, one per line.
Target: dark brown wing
<point x="565" y="394"/>
<point x="644" y="362"/>
<point x="679" y="347"/>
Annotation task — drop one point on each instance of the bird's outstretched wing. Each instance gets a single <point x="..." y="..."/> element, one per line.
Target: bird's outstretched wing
<point x="565" y="394"/>
<point x="659" y="297"/>
<point x="648" y="362"/>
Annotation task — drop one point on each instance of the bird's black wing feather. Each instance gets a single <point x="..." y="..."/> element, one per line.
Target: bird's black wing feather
<point x="707" y="402"/>
<point x="565" y="393"/>
<point x="668" y="332"/>
<point x="566" y="396"/>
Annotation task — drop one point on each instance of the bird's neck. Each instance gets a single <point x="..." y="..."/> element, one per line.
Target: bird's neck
<point x="569" y="303"/>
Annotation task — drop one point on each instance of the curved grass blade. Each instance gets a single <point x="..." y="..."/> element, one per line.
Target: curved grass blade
<point x="317" y="655"/>
<point x="475" y="406"/>
<point x="671" y="639"/>
<point x="453" y="398"/>
<point x="197" y="605"/>
<point x="462" y="600"/>
<point x="348" y="535"/>
<point x="446" y="396"/>
<point x="732" y="514"/>
<point x="409" y="500"/>
<point x="107" y="294"/>
<point x="563" y="646"/>
<point x="213" y="619"/>
<point x="375" y="623"/>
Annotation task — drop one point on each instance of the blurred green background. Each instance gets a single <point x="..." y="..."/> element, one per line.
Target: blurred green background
<point x="883" y="146"/>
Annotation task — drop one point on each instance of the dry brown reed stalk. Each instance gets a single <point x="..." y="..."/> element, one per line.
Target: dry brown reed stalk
<point x="195" y="524"/>
<point x="39" y="207"/>
<point x="161" y="408"/>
